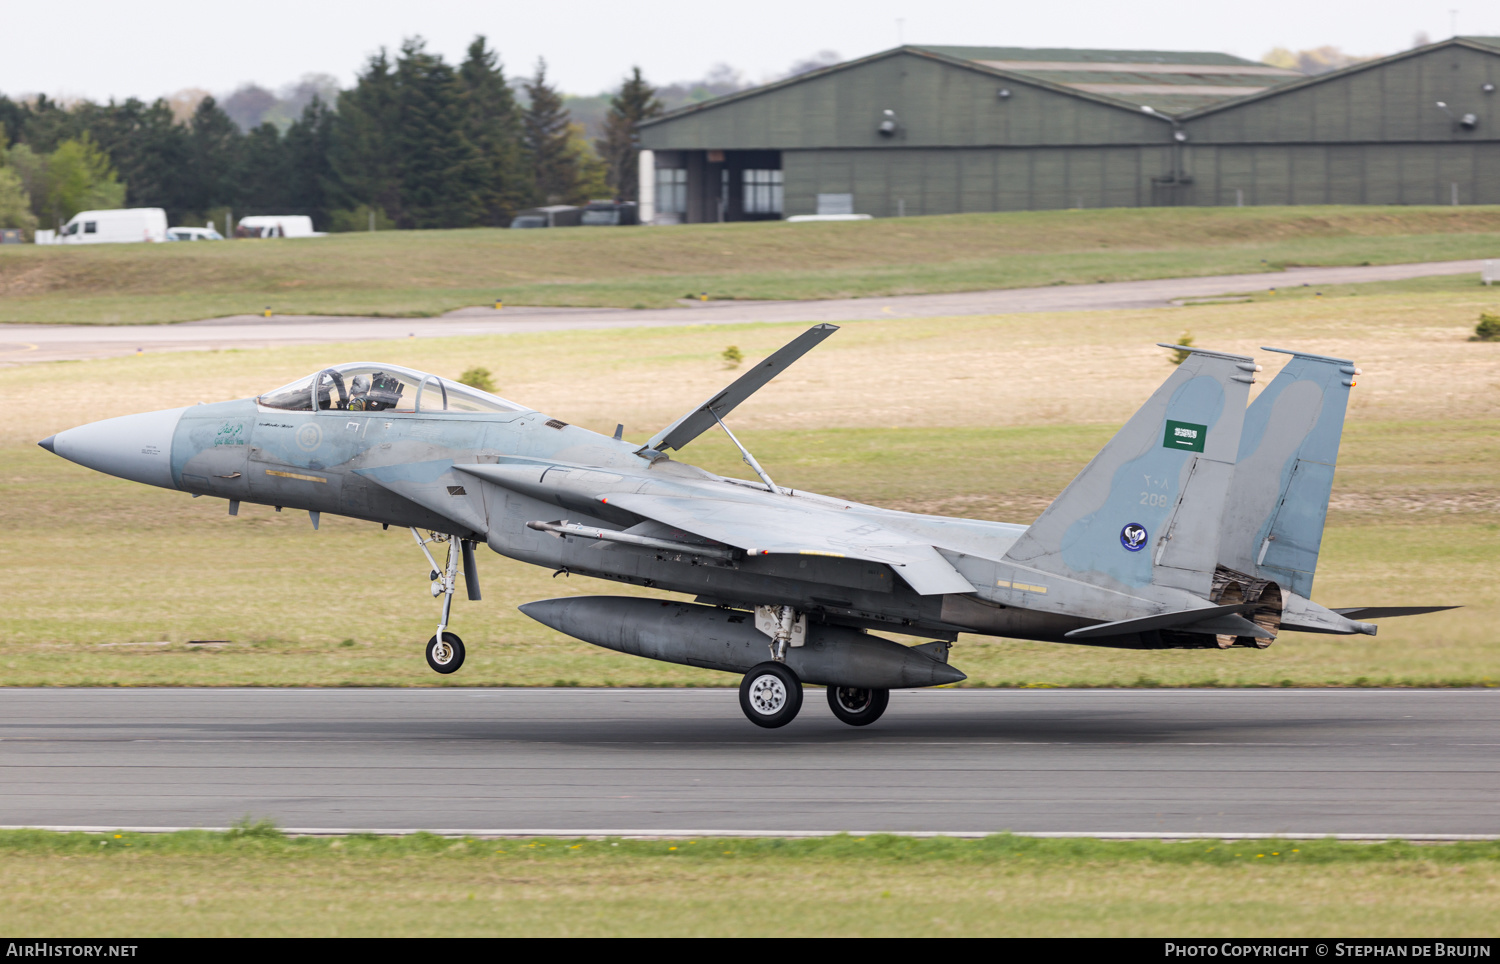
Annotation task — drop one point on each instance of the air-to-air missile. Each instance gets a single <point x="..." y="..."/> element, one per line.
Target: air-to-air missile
<point x="1198" y="525"/>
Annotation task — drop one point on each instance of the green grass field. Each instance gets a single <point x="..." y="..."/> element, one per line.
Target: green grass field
<point x="256" y="881"/>
<point x="428" y="272"/>
<point x="109" y="583"/>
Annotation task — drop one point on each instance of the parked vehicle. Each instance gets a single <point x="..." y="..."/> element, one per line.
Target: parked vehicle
<point x="113" y="227"/>
<point x="552" y="216"/>
<point x="193" y="234"/>
<point x="599" y="213"/>
<point x="276" y="226"/>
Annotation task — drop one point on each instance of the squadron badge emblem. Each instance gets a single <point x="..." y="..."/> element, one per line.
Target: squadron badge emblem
<point x="1133" y="537"/>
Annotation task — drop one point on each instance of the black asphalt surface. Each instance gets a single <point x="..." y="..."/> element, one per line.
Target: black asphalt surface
<point x="1399" y="762"/>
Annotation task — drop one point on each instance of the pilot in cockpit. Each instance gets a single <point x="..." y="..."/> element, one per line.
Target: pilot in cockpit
<point x="375" y="392"/>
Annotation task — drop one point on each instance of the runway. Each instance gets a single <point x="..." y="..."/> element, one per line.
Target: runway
<point x="22" y="344"/>
<point x="1157" y="762"/>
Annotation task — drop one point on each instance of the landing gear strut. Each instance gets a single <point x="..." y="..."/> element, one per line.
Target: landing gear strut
<point x="771" y="695"/>
<point x="445" y="651"/>
<point x="856" y="706"/>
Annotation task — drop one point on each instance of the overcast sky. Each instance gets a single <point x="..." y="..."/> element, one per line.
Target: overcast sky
<point x="100" y="49"/>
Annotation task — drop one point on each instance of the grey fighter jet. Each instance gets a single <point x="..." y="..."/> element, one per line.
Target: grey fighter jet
<point x="1198" y="525"/>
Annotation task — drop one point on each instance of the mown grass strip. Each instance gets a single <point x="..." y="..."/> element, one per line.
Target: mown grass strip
<point x="264" y="838"/>
<point x="424" y="273"/>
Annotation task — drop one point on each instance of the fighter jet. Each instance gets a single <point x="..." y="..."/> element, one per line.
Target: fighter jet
<point x="1198" y="525"/>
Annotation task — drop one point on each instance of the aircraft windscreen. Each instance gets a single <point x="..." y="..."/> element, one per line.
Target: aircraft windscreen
<point x="365" y="387"/>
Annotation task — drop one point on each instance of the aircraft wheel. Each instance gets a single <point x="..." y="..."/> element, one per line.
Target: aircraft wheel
<point x="771" y="695"/>
<point x="856" y="706"/>
<point x="445" y="657"/>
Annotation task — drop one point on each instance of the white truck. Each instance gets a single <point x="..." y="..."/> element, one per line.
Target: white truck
<point x="120" y="226"/>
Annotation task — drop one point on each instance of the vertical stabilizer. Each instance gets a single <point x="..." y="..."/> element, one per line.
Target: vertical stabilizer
<point x="1273" y="523"/>
<point x="1146" y="509"/>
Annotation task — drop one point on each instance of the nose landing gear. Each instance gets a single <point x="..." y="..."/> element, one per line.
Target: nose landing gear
<point x="446" y="655"/>
<point x="445" y="651"/>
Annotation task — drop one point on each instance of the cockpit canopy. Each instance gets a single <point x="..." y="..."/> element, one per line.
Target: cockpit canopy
<point x="369" y="387"/>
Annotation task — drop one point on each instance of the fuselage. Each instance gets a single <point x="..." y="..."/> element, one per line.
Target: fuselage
<point x="1132" y="554"/>
<point x="406" y="469"/>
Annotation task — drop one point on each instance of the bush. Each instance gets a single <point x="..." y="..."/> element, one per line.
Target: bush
<point x="732" y="357"/>
<point x="1488" y="328"/>
<point x="1178" y="355"/>
<point x="358" y="219"/>
<point x="479" y="378"/>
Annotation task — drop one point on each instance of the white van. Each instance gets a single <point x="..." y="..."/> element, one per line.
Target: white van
<point x="193" y="234"/>
<point x="276" y="226"/>
<point x="114" y="227"/>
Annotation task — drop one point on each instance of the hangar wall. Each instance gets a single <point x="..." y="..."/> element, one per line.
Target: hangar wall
<point x="1343" y="174"/>
<point x="970" y="138"/>
<point x="910" y="181"/>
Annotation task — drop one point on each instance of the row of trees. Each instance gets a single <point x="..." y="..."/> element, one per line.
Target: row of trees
<point x="416" y="143"/>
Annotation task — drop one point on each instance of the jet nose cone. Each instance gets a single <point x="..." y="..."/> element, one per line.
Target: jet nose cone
<point x="134" y="447"/>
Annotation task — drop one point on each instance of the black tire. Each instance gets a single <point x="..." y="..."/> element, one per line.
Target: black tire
<point x="455" y="654"/>
<point x="770" y="695"/>
<point x="858" y="707"/>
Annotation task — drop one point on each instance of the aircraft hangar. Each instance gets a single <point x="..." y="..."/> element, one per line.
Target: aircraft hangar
<point x="943" y="130"/>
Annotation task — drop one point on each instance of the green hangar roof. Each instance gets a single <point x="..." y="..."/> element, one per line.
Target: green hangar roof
<point x="1166" y="81"/>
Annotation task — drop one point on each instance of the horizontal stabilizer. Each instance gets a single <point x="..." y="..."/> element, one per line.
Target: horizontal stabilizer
<point x="1386" y="612"/>
<point x="1186" y="620"/>
<point x="706" y="416"/>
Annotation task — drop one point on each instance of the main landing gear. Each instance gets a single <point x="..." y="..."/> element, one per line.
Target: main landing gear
<point x="771" y="696"/>
<point x="445" y="651"/>
<point x="771" y="693"/>
<point x="856" y="706"/>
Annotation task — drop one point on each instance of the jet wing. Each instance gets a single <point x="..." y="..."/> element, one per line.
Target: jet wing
<point x="772" y="529"/>
<point x="702" y="418"/>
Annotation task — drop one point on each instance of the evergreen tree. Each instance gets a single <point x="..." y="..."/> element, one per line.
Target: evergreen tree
<point x="363" y="160"/>
<point x="493" y="125"/>
<point x="48" y="124"/>
<point x="149" y="150"/>
<point x="213" y="160"/>
<point x="553" y="162"/>
<point x="441" y="173"/>
<point x="12" y="121"/>
<point x="620" y="145"/>
<point x="263" y="175"/>
<point x="310" y="176"/>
